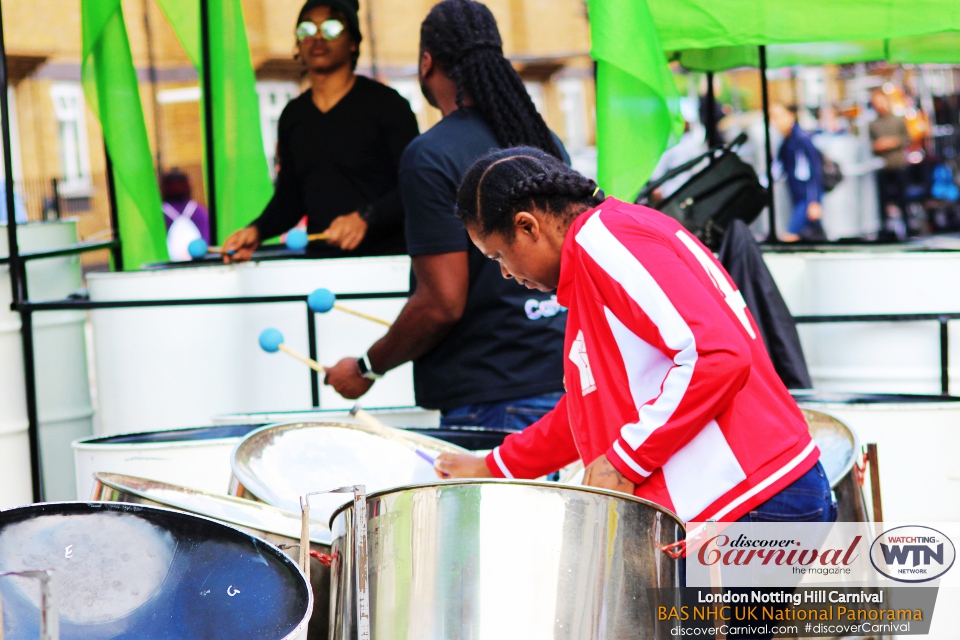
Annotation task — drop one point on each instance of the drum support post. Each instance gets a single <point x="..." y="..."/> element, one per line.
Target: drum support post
<point x="874" y="463"/>
<point x="49" y="614"/>
<point x="359" y="492"/>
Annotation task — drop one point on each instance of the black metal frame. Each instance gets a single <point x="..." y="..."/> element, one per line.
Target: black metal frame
<point x="942" y="318"/>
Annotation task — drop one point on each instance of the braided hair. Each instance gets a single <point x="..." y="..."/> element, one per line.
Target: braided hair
<point x="463" y="39"/>
<point x="504" y="182"/>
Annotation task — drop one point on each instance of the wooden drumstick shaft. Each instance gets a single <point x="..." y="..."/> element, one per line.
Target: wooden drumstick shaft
<point x="313" y="364"/>
<point x="317" y="236"/>
<point x="360" y="314"/>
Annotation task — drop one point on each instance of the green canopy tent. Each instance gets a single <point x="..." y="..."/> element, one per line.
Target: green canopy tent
<point x="238" y="184"/>
<point x="633" y="42"/>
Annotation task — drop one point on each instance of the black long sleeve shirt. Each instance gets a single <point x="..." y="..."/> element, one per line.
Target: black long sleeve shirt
<point x="342" y="161"/>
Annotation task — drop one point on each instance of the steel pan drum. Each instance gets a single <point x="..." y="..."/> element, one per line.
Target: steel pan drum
<point x="278" y="464"/>
<point x="131" y="571"/>
<point x="276" y="526"/>
<point x="496" y="559"/>
<point x="197" y="457"/>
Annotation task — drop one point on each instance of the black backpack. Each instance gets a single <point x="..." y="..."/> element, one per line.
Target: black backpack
<point x="726" y="189"/>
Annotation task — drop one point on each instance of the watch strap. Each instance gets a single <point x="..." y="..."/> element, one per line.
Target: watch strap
<point x="366" y="371"/>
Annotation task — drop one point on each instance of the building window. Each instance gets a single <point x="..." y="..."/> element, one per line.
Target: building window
<point x="274" y="96"/>
<point x="69" y="109"/>
<point x="409" y="88"/>
<point x="535" y="89"/>
<point x="573" y="104"/>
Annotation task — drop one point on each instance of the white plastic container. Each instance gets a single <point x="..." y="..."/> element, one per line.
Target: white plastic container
<point x="63" y="394"/>
<point x="875" y="357"/>
<point x="168" y="367"/>
<point x="918" y="445"/>
<point x="198" y="458"/>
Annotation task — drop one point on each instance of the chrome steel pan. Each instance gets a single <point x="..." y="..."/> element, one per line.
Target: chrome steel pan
<point x="278" y="527"/>
<point x="134" y="571"/>
<point x="277" y="464"/>
<point x="507" y="559"/>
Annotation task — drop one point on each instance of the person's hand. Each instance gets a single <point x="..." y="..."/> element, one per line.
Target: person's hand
<point x="603" y="475"/>
<point x="887" y="143"/>
<point x="461" y="465"/>
<point x="346" y="380"/>
<point x="242" y="242"/>
<point x="814" y="211"/>
<point x="346" y="232"/>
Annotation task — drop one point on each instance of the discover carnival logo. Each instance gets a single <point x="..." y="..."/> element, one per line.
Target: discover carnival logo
<point x="912" y="554"/>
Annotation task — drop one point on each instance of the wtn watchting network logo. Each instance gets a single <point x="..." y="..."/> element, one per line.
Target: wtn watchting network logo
<point x="912" y="554"/>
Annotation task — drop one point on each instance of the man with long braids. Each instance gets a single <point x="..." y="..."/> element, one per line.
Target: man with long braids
<point x="671" y="395"/>
<point x="486" y="351"/>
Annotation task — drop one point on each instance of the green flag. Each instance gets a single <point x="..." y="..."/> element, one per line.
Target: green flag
<point x="113" y="93"/>
<point x="638" y="106"/>
<point x="242" y="177"/>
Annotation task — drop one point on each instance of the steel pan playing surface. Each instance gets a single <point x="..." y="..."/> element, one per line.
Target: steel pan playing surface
<point x="280" y="463"/>
<point x="130" y="571"/>
<point x="268" y="523"/>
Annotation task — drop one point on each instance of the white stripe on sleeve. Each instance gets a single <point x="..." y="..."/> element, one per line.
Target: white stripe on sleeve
<point x="503" y="468"/>
<point x="628" y="460"/>
<point x="622" y="267"/>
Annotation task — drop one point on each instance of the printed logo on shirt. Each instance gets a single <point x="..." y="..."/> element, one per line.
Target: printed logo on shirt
<point x="537" y="309"/>
<point x="578" y="355"/>
<point x="732" y="296"/>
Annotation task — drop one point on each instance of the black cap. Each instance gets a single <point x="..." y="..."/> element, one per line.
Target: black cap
<point x="349" y="9"/>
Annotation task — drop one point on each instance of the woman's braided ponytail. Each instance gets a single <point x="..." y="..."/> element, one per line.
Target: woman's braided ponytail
<point x="504" y="182"/>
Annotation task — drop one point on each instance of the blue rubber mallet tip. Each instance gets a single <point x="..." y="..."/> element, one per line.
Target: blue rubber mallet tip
<point x="197" y="248"/>
<point x="297" y="239"/>
<point x="321" y="300"/>
<point x="270" y="340"/>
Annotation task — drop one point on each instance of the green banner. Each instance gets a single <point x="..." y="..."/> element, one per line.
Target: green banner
<point x="638" y="106"/>
<point x="242" y="177"/>
<point x="112" y="91"/>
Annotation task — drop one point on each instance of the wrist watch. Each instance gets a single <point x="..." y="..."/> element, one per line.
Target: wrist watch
<point x="366" y="371"/>
<point x="366" y="212"/>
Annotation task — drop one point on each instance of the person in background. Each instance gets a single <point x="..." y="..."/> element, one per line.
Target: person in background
<point x="339" y="146"/>
<point x="486" y="351"/>
<point x="803" y="169"/>
<point x="185" y="218"/>
<point x="690" y="145"/>
<point x="890" y="139"/>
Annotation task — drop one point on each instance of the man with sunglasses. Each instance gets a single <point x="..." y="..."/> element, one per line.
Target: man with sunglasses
<point x="339" y="148"/>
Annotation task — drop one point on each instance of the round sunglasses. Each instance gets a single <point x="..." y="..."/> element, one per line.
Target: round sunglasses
<point x="328" y="30"/>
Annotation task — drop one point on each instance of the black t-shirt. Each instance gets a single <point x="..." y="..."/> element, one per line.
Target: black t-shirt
<point x="340" y="161"/>
<point x="505" y="346"/>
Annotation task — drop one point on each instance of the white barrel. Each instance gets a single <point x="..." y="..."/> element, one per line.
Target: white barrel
<point x="198" y="458"/>
<point x="874" y="357"/>
<point x="275" y="381"/>
<point x="918" y="445"/>
<point x="167" y="367"/>
<point x="63" y="395"/>
<point x="390" y="416"/>
<point x="184" y="364"/>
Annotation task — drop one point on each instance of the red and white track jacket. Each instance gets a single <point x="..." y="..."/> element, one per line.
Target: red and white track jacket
<point x="666" y="373"/>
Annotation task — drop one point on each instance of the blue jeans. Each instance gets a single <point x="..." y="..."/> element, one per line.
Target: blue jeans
<point x="511" y="415"/>
<point x="798" y="218"/>
<point x="808" y="499"/>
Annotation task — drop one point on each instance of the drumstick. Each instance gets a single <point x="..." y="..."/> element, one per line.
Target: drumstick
<point x="389" y="432"/>
<point x="297" y="239"/>
<point x="322" y="300"/>
<point x="198" y="248"/>
<point x="271" y="341"/>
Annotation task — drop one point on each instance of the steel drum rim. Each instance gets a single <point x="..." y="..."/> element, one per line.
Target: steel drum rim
<point x="129" y="507"/>
<point x="100" y="476"/>
<point x="513" y="481"/>
<point x="848" y="466"/>
<point x="244" y="479"/>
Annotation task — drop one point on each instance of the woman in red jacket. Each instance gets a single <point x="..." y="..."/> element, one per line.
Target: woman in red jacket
<point x="671" y="395"/>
